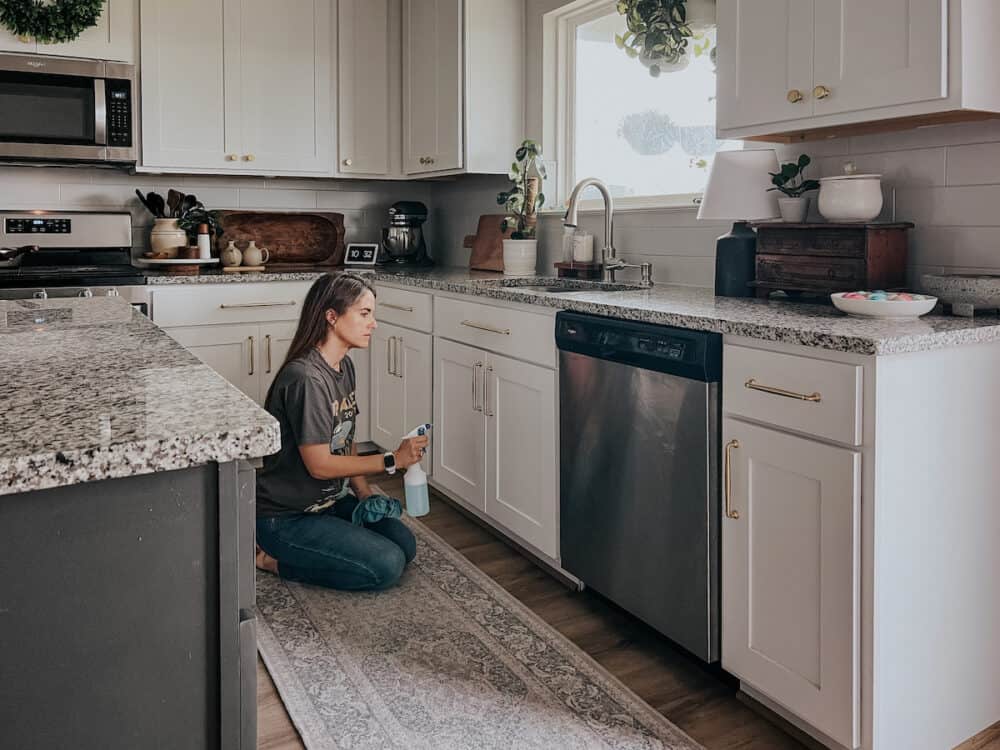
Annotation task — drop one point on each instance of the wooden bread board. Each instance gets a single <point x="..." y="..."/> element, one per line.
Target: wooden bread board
<point x="487" y="243"/>
<point x="307" y="238"/>
<point x="241" y="269"/>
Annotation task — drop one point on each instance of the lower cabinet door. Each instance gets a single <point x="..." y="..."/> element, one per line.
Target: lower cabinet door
<point x="275" y="339"/>
<point x="233" y="351"/>
<point x="521" y="469"/>
<point x="459" y="455"/>
<point x="362" y="373"/>
<point x="416" y="365"/>
<point x="387" y="409"/>
<point x="790" y="573"/>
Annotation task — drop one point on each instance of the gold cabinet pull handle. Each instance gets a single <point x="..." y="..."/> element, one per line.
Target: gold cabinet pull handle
<point x="251" y="355"/>
<point x="400" y="356"/>
<point x="388" y="355"/>
<point x="475" y="404"/>
<point x="267" y="353"/>
<point x="795" y="96"/>
<point x="391" y="306"/>
<point x="730" y="513"/>
<point x="231" y="157"/>
<point x="753" y="385"/>
<point x="249" y="157"/>
<point x="484" y="327"/>
<point x="821" y="92"/>
<point x="257" y="304"/>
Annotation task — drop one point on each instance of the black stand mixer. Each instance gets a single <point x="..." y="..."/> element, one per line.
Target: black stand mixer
<point x="403" y="239"/>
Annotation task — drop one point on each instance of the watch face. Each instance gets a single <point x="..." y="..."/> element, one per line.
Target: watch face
<point x="389" y="461"/>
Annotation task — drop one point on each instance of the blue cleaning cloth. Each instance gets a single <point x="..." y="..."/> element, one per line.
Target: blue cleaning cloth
<point x="374" y="508"/>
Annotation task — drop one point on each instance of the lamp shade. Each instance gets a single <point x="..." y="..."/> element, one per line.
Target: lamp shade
<point x="737" y="186"/>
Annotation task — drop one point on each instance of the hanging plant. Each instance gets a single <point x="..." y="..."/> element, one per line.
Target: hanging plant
<point x="659" y="32"/>
<point x="55" y="21"/>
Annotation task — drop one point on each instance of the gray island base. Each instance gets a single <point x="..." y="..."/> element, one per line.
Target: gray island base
<point x="126" y="524"/>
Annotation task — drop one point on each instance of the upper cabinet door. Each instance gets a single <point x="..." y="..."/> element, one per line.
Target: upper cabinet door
<point x="284" y="73"/>
<point x="432" y="85"/>
<point x="112" y="38"/>
<point x="765" y="56"/>
<point x="368" y="86"/>
<point x="189" y="114"/>
<point x="790" y="573"/>
<point x="869" y="59"/>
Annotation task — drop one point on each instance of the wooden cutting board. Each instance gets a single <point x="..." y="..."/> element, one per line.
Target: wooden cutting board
<point x="487" y="243"/>
<point x="309" y="238"/>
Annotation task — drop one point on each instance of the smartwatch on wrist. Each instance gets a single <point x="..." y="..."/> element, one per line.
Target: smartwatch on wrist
<point x="389" y="461"/>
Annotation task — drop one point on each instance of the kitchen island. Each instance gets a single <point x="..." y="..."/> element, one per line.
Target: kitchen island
<point x="126" y="523"/>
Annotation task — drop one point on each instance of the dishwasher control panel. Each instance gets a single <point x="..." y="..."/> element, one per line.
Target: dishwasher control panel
<point x="693" y="354"/>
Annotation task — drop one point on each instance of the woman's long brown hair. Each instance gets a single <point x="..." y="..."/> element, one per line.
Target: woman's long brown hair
<point x="328" y="292"/>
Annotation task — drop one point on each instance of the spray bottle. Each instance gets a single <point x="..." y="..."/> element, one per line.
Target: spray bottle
<point x="415" y="482"/>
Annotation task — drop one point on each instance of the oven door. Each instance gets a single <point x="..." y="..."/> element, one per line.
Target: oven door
<point x="57" y="109"/>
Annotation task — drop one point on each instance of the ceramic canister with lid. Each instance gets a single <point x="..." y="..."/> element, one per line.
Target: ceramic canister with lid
<point x="850" y="197"/>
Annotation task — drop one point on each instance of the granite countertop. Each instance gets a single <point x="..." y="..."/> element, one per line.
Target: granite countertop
<point x="94" y="390"/>
<point x="685" y="307"/>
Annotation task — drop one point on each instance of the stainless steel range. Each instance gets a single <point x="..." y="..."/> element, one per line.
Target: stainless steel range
<point x="47" y="254"/>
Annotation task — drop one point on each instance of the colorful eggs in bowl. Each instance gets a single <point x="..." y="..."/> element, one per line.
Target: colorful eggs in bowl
<point x="881" y="304"/>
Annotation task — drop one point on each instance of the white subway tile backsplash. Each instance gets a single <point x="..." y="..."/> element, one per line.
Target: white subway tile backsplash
<point x="15" y="194"/>
<point x="986" y="131"/>
<point x="974" y="164"/>
<point x="920" y="167"/>
<point x="276" y="199"/>
<point x="950" y="206"/>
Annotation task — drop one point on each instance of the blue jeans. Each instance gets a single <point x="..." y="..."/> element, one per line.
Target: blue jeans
<point x="326" y="549"/>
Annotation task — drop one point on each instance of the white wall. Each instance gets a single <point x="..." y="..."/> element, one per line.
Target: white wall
<point x="363" y="203"/>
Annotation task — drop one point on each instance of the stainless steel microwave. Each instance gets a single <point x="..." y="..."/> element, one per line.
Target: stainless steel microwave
<point x="63" y="109"/>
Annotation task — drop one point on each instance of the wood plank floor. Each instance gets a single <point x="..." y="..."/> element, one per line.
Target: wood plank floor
<point x="697" y="699"/>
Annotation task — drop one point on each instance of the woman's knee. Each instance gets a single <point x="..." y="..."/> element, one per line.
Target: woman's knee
<point x="397" y="532"/>
<point x="387" y="566"/>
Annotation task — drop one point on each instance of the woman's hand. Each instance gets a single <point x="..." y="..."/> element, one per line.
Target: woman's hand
<point x="410" y="451"/>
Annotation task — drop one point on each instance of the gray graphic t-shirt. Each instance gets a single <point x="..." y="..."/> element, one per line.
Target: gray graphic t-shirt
<point x="313" y="403"/>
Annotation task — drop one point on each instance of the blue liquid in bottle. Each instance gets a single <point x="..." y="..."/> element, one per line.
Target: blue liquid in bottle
<point x="417" y="502"/>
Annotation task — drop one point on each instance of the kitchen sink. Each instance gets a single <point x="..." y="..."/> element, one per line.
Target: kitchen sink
<point x="562" y="286"/>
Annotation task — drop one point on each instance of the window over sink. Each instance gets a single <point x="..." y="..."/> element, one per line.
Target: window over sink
<point x="646" y="128"/>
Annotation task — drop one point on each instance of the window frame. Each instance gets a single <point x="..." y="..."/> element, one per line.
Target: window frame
<point x="559" y="103"/>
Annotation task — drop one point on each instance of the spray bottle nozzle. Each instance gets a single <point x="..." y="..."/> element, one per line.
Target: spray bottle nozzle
<point x="418" y="431"/>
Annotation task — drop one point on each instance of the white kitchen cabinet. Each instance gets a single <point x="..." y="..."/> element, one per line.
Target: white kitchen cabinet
<point x="237" y="86"/>
<point x="496" y="437"/>
<point x="463" y="87"/>
<point x="791" y="573"/>
<point x="801" y="68"/>
<point x="432" y="85"/>
<point x="113" y="37"/>
<point x="233" y="351"/>
<point x="275" y="339"/>
<point x="368" y="87"/>
<point x="400" y="385"/>
<point x="521" y="487"/>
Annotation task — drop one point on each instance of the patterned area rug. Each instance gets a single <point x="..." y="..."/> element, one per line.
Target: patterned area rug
<point x="447" y="659"/>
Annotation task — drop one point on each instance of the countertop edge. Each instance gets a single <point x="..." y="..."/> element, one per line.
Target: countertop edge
<point x="51" y="469"/>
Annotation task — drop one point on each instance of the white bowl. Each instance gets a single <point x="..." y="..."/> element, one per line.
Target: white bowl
<point x="921" y="305"/>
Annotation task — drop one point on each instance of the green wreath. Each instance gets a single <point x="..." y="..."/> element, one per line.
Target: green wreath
<point x="56" y="21"/>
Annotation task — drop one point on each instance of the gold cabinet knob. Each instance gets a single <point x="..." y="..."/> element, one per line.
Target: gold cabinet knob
<point x="248" y="157"/>
<point x="821" y="92"/>
<point x="430" y="160"/>
<point x="423" y="160"/>
<point x="794" y="96"/>
<point x="231" y="157"/>
<point x="348" y="162"/>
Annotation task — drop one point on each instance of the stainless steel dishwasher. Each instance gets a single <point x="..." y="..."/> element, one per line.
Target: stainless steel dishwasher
<point x="639" y="434"/>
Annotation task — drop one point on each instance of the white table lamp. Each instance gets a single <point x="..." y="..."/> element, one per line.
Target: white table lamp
<point x="737" y="191"/>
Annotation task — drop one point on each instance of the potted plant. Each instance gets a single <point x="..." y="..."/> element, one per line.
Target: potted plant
<point x="522" y="202"/>
<point x="659" y="31"/>
<point x="790" y="180"/>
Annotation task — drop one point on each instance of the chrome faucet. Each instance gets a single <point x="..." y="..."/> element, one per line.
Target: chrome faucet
<point x="609" y="258"/>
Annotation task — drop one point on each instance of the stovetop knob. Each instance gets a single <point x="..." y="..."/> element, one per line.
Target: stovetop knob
<point x="112" y="293"/>
<point x="85" y="293"/>
<point x="40" y="294"/>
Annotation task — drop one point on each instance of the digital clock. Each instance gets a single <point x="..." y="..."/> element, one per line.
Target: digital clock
<point x="361" y="254"/>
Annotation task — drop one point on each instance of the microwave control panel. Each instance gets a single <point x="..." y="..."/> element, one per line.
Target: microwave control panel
<point x="119" y="109"/>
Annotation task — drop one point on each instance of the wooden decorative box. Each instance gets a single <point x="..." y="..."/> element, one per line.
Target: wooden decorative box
<point x="825" y="258"/>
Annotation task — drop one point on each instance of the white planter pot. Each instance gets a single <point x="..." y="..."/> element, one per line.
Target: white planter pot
<point x="793" y="209"/>
<point x="519" y="257"/>
<point x="851" y="197"/>
<point x="167" y="237"/>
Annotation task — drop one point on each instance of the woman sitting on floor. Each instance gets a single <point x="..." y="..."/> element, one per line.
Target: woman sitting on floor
<point x="310" y="527"/>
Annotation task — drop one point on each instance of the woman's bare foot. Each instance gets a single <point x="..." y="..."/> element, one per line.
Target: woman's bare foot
<point x="265" y="562"/>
